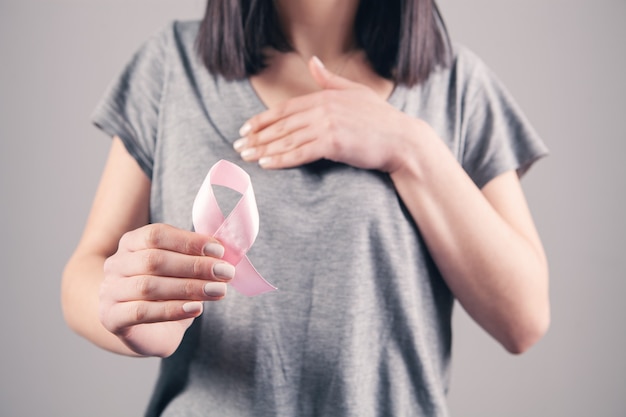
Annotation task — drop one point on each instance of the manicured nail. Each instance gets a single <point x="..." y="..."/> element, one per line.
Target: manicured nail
<point x="223" y="270"/>
<point x="240" y="144"/>
<point x="215" y="289"/>
<point x="248" y="153"/>
<point x="213" y="249"/>
<point x="317" y="62"/>
<point x="266" y="160"/>
<point x="245" y="129"/>
<point x="192" y="307"/>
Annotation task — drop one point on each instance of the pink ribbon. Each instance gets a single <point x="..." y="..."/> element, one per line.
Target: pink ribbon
<point x="238" y="231"/>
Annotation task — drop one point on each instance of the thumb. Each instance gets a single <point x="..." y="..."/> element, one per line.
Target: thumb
<point x="326" y="79"/>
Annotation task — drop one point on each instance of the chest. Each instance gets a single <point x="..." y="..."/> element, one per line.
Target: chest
<point x="288" y="76"/>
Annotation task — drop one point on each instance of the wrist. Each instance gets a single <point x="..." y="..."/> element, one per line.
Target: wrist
<point x="411" y="157"/>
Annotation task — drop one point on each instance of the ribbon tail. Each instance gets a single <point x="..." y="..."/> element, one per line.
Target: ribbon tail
<point x="238" y="231"/>
<point x="248" y="281"/>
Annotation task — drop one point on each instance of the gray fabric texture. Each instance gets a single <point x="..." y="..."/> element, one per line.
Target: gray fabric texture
<point x="361" y="323"/>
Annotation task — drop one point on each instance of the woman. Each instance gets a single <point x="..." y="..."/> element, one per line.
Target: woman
<point x="385" y="165"/>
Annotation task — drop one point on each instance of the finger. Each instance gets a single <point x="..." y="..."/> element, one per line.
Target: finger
<point x="307" y="153"/>
<point x="249" y="147"/>
<point x="326" y="79"/>
<point x="294" y="131"/>
<point x="163" y="236"/>
<point x="280" y="146"/>
<point x="165" y="263"/>
<point x="125" y="315"/>
<point x="151" y="288"/>
<point x="280" y="128"/>
<point x="282" y="111"/>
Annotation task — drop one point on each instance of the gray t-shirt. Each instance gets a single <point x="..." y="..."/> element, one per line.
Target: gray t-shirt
<point x="361" y="323"/>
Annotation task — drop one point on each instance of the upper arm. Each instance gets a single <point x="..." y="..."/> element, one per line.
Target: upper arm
<point x="121" y="204"/>
<point x="506" y="196"/>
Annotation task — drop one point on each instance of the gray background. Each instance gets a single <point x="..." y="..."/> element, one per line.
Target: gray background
<point x="563" y="60"/>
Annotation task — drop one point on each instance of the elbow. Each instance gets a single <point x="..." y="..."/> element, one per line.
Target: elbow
<point x="526" y="333"/>
<point x="66" y="302"/>
<point x="532" y="320"/>
<point x="69" y="301"/>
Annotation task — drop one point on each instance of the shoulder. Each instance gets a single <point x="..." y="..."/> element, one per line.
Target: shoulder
<point x="466" y="67"/>
<point x="163" y="49"/>
<point x="176" y="29"/>
<point x="464" y="56"/>
<point x="184" y="31"/>
<point x="173" y="37"/>
<point x="472" y="72"/>
<point x="449" y="86"/>
<point x="466" y="77"/>
<point x="464" y="70"/>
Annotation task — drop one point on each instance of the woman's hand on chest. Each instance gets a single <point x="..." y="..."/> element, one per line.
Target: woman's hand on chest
<point x="344" y="122"/>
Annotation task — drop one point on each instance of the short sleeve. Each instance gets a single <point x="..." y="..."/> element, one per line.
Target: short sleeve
<point x="130" y="107"/>
<point x="498" y="137"/>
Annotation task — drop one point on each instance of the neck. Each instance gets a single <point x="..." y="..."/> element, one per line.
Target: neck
<point x="319" y="27"/>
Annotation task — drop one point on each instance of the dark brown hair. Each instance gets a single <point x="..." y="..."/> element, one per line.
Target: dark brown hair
<point x="404" y="40"/>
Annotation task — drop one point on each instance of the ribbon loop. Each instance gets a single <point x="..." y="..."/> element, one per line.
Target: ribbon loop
<point x="238" y="231"/>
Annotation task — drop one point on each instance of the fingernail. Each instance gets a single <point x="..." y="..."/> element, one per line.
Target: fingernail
<point x="192" y="307"/>
<point x="317" y="62"/>
<point x="215" y="289"/>
<point x="213" y="249"/>
<point x="266" y="160"/>
<point x="223" y="270"/>
<point x="240" y="144"/>
<point x="248" y="153"/>
<point x="245" y="129"/>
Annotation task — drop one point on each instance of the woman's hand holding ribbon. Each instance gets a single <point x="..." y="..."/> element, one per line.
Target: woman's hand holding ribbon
<point x="155" y="283"/>
<point x="344" y="122"/>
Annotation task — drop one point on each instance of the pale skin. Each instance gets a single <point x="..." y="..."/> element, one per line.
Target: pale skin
<point x="135" y="288"/>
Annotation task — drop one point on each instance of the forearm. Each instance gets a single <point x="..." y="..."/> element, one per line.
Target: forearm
<point x="79" y="295"/>
<point x="496" y="272"/>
